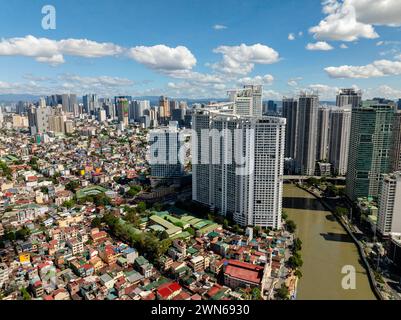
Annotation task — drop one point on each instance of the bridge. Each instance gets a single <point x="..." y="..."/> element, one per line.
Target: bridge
<point x="302" y="178"/>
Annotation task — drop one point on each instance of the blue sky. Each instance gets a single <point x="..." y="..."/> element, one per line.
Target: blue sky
<point x="193" y="48"/>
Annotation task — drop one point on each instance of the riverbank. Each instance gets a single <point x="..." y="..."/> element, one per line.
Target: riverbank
<point x="344" y="224"/>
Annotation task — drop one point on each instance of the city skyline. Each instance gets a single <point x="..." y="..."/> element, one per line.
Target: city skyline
<point x="160" y="49"/>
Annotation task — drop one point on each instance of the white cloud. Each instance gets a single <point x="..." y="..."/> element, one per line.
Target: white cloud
<point x="272" y="95"/>
<point x="219" y="27"/>
<point x="319" y="46"/>
<point x="163" y="58"/>
<point x="343" y="46"/>
<point x="291" y="37"/>
<point x="378" y="12"/>
<point x="341" y="23"/>
<point x="300" y="33"/>
<point x="53" y="51"/>
<point x="293" y="82"/>
<point x="379" y="68"/>
<point x="325" y="92"/>
<point x="258" y="80"/>
<point x="241" y="59"/>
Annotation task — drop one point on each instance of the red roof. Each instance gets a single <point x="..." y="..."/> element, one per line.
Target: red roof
<point x="244" y="271"/>
<point x="167" y="289"/>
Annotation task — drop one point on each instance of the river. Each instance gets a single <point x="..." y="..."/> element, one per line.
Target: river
<point x="326" y="248"/>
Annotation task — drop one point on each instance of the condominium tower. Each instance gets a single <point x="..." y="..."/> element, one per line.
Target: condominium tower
<point x="369" y="149"/>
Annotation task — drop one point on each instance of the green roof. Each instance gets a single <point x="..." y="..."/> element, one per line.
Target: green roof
<point x="90" y="191"/>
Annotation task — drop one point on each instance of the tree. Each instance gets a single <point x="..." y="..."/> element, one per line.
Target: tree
<point x="284" y="215"/>
<point x="298" y="273"/>
<point x="283" y="292"/>
<point x="22" y="234"/>
<point x="69" y="204"/>
<point x="158" y="206"/>
<point x="191" y="231"/>
<point x="72" y="186"/>
<point x="297" y="245"/>
<point x="341" y="211"/>
<point x="256" y="294"/>
<point x="141" y="206"/>
<point x="25" y="294"/>
<point x="291" y="226"/>
<point x="10" y="236"/>
<point x="96" y="222"/>
<point x="133" y="191"/>
<point x="164" y="235"/>
<point x="295" y="261"/>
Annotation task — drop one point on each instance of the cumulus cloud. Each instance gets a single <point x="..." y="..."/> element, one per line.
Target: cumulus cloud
<point x="219" y="27"/>
<point x="163" y="58"/>
<point x="258" y="80"/>
<point x="53" y="51"/>
<point x="319" y="46"/>
<point x="343" y="46"/>
<point x="293" y="82"/>
<point x="241" y="60"/>
<point x="291" y="37"/>
<point x="379" y="68"/>
<point x="341" y="23"/>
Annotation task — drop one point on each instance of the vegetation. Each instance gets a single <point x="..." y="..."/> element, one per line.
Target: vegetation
<point x="295" y="261"/>
<point x="25" y="294"/>
<point x="134" y="190"/>
<point x="291" y="226"/>
<point x="283" y="292"/>
<point x="341" y="211"/>
<point x="147" y="244"/>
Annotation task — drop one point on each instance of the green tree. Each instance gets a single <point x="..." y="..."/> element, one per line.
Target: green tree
<point x="22" y="234"/>
<point x="291" y="226"/>
<point x="96" y="222"/>
<point x="256" y="294"/>
<point x="295" y="261"/>
<point x="341" y="211"/>
<point x="283" y="292"/>
<point x="25" y="294"/>
<point x="141" y="206"/>
<point x="284" y="215"/>
<point x="297" y="245"/>
<point x="298" y="274"/>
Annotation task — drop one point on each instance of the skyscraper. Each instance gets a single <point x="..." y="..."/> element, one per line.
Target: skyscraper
<point x="164" y="108"/>
<point x="122" y="110"/>
<point x="389" y="217"/>
<point x="247" y="101"/>
<point x="370" y="148"/>
<point x="290" y="112"/>
<point x="399" y="104"/>
<point x="323" y="123"/>
<point x="164" y="153"/>
<point x="91" y="103"/>
<point x="396" y="148"/>
<point x="238" y="170"/>
<point x="305" y="154"/>
<point x="349" y="98"/>
<point x="340" y="130"/>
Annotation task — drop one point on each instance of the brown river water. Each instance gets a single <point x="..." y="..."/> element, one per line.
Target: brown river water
<point x="326" y="248"/>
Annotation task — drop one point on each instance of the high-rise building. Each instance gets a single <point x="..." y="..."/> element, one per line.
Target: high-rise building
<point x="138" y="109"/>
<point x="164" y="108"/>
<point x="399" y="104"/>
<point x="349" y="98"/>
<point x="165" y="146"/>
<point x="122" y="110"/>
<point x="237" y="170"/>
<point x="340" y="130"/>
<point x="305" y="154"/>
<point x="323" y="123"/>
<point x="247" y="101"/>
<point x="271" y="107"/>
<point x="370" y="148"/>
<point x="396" y="149"/>
<point x="91" y="103"/>
<point x="389" y="217"/>
<point x="253" y="197"/>
<point x="290" y="112"/>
